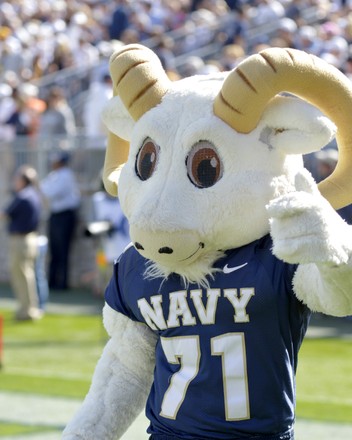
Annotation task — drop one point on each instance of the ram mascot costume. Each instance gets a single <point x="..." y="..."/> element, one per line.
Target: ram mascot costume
<point x="233" y="244"/>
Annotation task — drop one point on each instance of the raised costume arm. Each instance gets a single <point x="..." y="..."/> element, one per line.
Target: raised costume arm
<point x="308" y="231"/>
<point x="120" y="384"/>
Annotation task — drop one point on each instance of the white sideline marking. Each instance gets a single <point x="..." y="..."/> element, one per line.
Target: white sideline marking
<point x="51" y="412"/>
<point x="55" y="412"/>
<point x="28" y="409"/>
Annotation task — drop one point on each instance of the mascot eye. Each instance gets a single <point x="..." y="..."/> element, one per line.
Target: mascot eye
<point x="147" y="159"/>
<point x="204" y="166"/>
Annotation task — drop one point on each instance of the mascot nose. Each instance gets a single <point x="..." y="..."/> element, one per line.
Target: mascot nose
<point x="165" y="250"/>
<point x="165" y="247"/>
<point x="162" y="250"/>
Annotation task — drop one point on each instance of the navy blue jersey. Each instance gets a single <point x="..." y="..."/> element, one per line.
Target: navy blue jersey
<point x="226" y="355"/>
<point x="24" y="211"/>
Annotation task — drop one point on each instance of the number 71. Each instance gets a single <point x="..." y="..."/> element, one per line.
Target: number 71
<point x="186" y="352"/>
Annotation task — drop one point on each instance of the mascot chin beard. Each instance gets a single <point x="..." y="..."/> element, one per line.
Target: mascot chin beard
<point x="233" y="244"/>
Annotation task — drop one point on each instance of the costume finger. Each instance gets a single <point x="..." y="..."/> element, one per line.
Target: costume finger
<point x="304" y="182"/>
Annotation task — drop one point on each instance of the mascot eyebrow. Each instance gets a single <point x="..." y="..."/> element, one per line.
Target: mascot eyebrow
<point x="141" y="83"/>
<point x="234" y="244"/>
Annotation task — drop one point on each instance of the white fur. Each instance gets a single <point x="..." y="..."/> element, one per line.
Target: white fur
<point x="308" y="231"/>
<point x="325" y="288"/>
<point x="117" y="119"/>
<point x="120" y="383"/>
<point x="296" y="127"/>
<point x="231" y="213"/>
<point x="199" y="272"/>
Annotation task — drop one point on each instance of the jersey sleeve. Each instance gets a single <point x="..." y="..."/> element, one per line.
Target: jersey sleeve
<point x="114" y="296"/>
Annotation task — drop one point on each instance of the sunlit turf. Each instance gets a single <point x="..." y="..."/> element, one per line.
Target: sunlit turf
<point x="324" y="380"/>
<point x="7" y="429"/>
<point x="53" y="356"/>
<point x="57" y="356"/>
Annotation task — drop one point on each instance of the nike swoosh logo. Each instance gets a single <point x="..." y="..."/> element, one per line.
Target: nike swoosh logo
<point x="228" y="269"/>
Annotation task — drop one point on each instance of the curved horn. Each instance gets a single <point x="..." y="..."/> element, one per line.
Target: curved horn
<point x="115" y="158"/>
<point x="138" y="78"/>
<point x="141" y="82"/>
<point x="249" y="87"/>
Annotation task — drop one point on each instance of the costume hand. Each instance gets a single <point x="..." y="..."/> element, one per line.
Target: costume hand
<point x="305" y="228"/>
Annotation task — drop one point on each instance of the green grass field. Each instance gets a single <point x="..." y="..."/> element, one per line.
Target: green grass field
<point x="57" y="355"/>
<point x="324" y="380"/>
<point x="54" y="356"/>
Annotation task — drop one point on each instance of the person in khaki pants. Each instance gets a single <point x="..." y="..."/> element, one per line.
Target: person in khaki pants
<point x="23" y="214"/>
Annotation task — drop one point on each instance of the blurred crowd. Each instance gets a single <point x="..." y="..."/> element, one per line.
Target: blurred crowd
<point x="43" y="37"/>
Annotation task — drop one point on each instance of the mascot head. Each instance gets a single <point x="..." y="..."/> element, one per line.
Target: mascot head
<point x="198" y="160"/>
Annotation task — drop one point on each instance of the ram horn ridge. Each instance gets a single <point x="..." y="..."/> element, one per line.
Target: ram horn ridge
<point x="138" y="78"/>
<point x="255" y="81"/>
<point x="140" y="81"/>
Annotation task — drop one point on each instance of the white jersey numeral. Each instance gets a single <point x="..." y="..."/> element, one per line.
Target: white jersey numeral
<point x="231" y="348"/>
<point x="186" y="352"/>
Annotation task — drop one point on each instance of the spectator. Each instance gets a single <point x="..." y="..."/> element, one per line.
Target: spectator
<point x="200" y="30"/>
<point x="113" y="242"/>
<point x="130" y="36"/>
<point x="22" y="124"/>
<point x="287" y="31"/>
<point x="25" y="115"/>
<point x="337" y="48"/>
<point x="294" y="10"/>
<point x="58" y="118"/>
<point x="192" y="66"/>
<point x="61" y="191"/>
<point x="326" y="160"/>
<point x="307" y="39"/>
<point x="99" y="94"/>
<point x="347" y="67"/>
<point x="235" y="4"/>
<point x="265" y="11"/>
<point x="62" y="55"/>
<point x="235" y="30"/>
<point x="231" y="55"/>
<point x="140" y="22"/>
<point x="120" y="20"/>
<point x="107" y="208"/>
<point x="23" y="214"/>
<point x="12" y="55"/>
<point x="163" y="49"/>
<point x="40" y="271"/>
<point x="86" y="54"/>
<point x="7" y="107"/>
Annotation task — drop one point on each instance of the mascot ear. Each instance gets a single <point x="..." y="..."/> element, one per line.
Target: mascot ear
<point x="117" y="119"/>
<point x="256" y="80"/>
<point x="295" y="127"/>
<point x="139" y="84"/>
